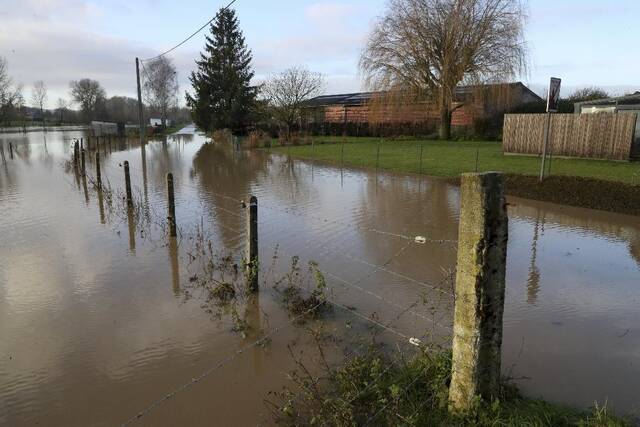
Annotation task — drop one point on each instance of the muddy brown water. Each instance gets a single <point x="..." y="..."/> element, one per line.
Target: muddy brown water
<point x="98" y="323"/>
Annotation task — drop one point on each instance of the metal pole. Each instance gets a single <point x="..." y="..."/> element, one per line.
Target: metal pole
<point x="545" y="146"/>
<point x="171" y="214"/>
<point x="127" y="183"/>
<point x="252" y="244"/>
<point x="140" y="108"/>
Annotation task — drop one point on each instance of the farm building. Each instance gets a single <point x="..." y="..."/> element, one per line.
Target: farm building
<point x="471" y="104"/>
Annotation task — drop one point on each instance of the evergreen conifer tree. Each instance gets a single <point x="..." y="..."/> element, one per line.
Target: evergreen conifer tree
<point x="223" y="97"/>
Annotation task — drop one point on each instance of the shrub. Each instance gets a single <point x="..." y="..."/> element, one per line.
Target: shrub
<point x="258" y="138"/>
<point x="223" y="136"/>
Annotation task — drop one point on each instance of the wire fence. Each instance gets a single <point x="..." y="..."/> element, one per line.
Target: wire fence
<point x="395" y="311"/>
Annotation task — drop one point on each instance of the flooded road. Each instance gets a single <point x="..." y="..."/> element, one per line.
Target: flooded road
<point x="100" y="323"/>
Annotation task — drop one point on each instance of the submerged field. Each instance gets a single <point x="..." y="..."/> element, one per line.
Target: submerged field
<point x="105" y="320"/>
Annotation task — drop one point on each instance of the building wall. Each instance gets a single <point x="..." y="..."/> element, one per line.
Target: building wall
<point x="420" y="113"/>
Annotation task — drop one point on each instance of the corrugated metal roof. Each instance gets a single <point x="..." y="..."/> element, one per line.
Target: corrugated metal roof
<point x="359" y="98"/>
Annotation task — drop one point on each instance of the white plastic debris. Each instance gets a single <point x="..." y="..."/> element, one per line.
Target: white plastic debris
<point x="415" y="341"/>
<point x="421" y="239"/>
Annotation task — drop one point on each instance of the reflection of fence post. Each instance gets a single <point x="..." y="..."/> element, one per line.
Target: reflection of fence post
<point x="171" y="206"/>
<point x="127" y="183"/>
<point x="98" y="174"/>
<point x="252" y="244"/>
<point x="480" y="285"/>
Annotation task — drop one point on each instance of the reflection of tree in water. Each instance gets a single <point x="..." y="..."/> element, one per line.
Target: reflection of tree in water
<point x="221" y="171"/>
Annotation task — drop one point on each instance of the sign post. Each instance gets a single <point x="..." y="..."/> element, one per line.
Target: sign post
<point x="553" y="99"/>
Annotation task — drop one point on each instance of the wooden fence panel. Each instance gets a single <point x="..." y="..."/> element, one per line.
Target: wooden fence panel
<point x="597" y="136"/>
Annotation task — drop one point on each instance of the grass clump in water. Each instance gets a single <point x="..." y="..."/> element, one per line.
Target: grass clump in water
<point x="300" y="298"/>
<point x="372" y="390"/>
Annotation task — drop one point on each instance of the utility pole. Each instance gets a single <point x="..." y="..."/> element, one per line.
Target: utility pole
<point x="140" y="112"/>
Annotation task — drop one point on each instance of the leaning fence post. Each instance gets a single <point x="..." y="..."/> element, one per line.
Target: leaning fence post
<point x="98" y="174"/>
<point x="480" y="285"/>
<point x="252" y="244"/>
<point x="127" y="183"/>
<point x="76" y="154"/>
<point x="171" y="206"/>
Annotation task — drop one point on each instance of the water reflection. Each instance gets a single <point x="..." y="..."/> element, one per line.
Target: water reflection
<point x="87" y="316"/>
<point x="533" y="281"/>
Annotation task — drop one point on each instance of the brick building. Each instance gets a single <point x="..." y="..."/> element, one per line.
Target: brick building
<point x="378" y="108"/>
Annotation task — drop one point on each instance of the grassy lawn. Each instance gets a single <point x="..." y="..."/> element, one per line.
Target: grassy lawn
<point x="450" y="159"/>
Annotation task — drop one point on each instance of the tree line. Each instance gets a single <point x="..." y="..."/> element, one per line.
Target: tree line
<point x="88" y="96"/>
<point x="422" y="49"/>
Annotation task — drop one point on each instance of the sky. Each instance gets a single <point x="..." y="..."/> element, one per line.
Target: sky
<point x="585" y="42"/>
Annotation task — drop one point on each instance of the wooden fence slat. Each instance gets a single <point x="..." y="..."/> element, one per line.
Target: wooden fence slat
<point x="599" y="136"/>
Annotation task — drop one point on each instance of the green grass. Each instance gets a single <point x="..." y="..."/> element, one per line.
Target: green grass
<point x="368" y="390"/>
<point x="450" y="159"/>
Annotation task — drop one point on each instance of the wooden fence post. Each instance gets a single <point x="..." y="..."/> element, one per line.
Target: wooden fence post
<point x="378" y="156"/>
<point x="82" y="164"/>
<point x="127" y="183"/>
<point x="171" y="206"/>
<point x="252" y="244"/>
<point x="98" y="174"/>
<point x="76" y="154"/>
<point x="11" y="150"/>
<point x="480" y="285"/>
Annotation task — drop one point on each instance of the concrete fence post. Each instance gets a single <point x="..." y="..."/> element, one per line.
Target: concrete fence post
<point x="480" y="286"/>
<point x="252" y="243"/>
<point x="171" y="206"/>
<point x="127" y="183"/>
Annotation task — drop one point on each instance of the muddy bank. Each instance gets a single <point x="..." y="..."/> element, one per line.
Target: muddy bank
<point x="575" y="191"/>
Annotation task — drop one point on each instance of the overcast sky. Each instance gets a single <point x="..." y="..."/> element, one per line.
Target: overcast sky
<point x="586" y="42"/>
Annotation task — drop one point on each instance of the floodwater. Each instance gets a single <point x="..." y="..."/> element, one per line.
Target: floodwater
<point x="101" y="324"/>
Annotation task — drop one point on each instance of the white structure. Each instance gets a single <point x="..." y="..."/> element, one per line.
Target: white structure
<point x="158" y="122"/>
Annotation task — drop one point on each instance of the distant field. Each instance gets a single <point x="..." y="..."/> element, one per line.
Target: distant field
<point x="450" y="159"/>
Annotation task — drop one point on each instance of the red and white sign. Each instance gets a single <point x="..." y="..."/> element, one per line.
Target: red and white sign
<point x="554" y="95"/>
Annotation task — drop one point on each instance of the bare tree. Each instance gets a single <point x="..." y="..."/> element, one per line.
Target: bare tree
<point x="161" y="86"/>
<point x="287" y="91"/>
<point x="588" y="94"/>
<point x="89" y="94"/>
<point x="61" y="107"/>
<point x="39" y="96"/>
<point x="11" y="99"/>
<point x="431" y="46"/>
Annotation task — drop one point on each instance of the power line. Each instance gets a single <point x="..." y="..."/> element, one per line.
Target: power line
<point x="191" y="36"/>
